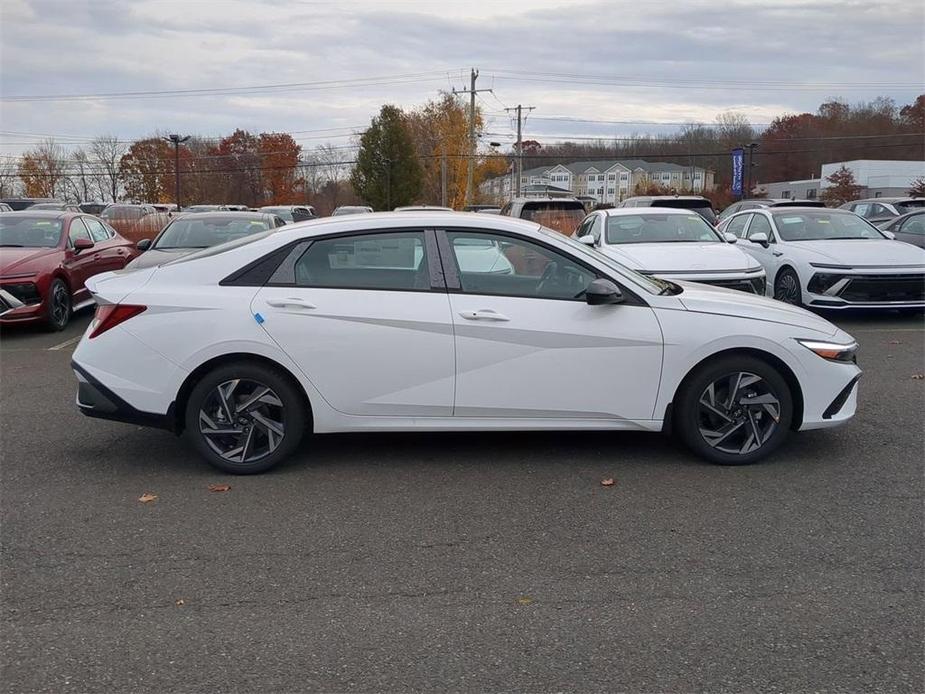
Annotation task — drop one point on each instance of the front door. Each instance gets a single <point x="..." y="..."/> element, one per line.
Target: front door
<point x="527" y="344"/>
<point x="367" y="323"/>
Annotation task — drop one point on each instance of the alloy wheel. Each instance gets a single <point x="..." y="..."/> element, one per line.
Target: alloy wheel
<point x="242" y="420"/>
<point x="738" y="413"/>
<point x="60" y="304"/>
<point x="787" y="289"/>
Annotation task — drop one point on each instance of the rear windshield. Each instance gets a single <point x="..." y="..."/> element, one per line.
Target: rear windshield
<point x="701" y="207"/>
<point x="564" y="216"/>
<point x="910" y="205"/>
<point x="205" y="233"/>
<point x="122" y="212"/>
<point x="222" y="247"/>
<point x="283" y="212"/>
<point x="799" y="203"/>
<point x="29" y="232"/>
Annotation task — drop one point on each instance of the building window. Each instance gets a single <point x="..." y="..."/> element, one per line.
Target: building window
<point x="785" y="194"/>
<point x="810" y="193"/>
<point x="612" y="177"/>
<point x="610" y="191"/>
<point x="624" y="177"/>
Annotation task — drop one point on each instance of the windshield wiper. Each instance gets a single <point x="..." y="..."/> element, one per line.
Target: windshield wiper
<point x="11" y="245"/>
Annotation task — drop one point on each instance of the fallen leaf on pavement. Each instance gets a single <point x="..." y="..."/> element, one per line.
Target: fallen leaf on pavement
<point x="180" y="602"/>
<point x="895" y="342"/>
<point x="609" y="482"/>
<point x="146" y="497"/>
<point x="219" y="487"/>
<point x="524" y="600"/>
<point x="918" y="377"/>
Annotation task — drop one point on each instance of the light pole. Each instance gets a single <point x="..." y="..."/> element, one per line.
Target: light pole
<point x="752" y="146"/>
<point x="177" y="141"/>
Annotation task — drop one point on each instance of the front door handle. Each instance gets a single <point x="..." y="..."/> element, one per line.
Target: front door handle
<point x="292" y="301"/>
<point x="777" y="254"/>
<point x="483" y="314"/>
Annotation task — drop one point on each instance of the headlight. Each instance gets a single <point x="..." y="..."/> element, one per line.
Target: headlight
<point x="832" y="351"/>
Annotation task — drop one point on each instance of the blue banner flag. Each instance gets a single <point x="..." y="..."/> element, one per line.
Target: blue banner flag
<point x="738" y="164"/>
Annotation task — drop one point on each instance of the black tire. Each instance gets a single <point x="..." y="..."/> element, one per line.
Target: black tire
<point x="60" y="306"/>
<point x="787" y="287"/>
<point x="254" y="426"/>
<point x="691" y="418"/>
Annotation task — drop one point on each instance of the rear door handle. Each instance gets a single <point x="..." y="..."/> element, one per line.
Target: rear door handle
<point x="292" y="301"/>
<point x="483" y="314"/>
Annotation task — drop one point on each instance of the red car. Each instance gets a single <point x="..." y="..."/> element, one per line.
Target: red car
<point x="45" y="258"/>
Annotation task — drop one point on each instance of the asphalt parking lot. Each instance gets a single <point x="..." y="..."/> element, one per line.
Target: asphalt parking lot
<point x="462" y="561"/>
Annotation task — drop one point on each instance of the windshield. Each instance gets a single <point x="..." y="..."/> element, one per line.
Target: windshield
<point x="648" y="227"/>
<point x="283" y="212"/>
<point x="122" y="212"/>
<point x="563" y="216"/>
<point x="910" y="205"/>
<point x="651" y="284"/>
<point x="29" y="232"/>
<point x="823" y="225"/>
<point x="205" y="233"/>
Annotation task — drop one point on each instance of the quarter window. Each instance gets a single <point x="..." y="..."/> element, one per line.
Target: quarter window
<point x="394" y="261"/>
<point x="505" y="266"/>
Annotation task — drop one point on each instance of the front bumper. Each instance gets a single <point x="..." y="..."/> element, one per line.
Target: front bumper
<point x="20" y="302"/>
<point x="836" y="289"/>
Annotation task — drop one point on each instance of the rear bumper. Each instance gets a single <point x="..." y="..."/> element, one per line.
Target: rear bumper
<point x="96" y="400"/>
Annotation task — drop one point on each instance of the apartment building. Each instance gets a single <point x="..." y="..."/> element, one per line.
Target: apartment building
<point x="609" y="181"/>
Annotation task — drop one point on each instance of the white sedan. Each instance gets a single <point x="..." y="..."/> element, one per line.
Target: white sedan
<point x="831" y="259"/>
<point x="672" y="244"/>
<point x="399" y="322"/>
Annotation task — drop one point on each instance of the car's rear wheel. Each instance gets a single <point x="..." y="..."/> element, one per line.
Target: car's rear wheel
<point x="244" y="418"/>
<point x="735" y="410"/>
<point x="59" y="306"/>
<point x="787" y="287"/>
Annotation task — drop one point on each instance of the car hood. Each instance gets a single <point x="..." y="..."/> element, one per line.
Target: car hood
<point x="681" y="257"/>
<point x="14" y="260"/>
<point x="157" y="256"/>
<point x="704" y="298"/>
<point x="861" y="253"/>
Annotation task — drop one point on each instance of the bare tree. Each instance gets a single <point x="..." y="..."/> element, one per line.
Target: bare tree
<point x="43" y="170"/>
<point x="9" y="176"/>
<point x="107" y="154"/>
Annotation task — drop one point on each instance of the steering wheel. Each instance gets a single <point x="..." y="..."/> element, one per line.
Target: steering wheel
<point x="552" y="269"/>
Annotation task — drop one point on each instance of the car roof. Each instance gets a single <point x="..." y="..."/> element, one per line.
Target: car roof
<point x="391" y="220"/>
<point x="807" y="208"/>
<point x="566" y="198"/>
<point x="667" y="197"/>
<point x="623" y="211"/>
<point x="226" y="214"/>
<point x="45" y="214"/>
<point x="901" y="198"/>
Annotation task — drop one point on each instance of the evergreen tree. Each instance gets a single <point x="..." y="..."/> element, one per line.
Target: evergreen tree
<point x="387" y="173"/>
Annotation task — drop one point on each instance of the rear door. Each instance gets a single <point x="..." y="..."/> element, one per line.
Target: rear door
<point x="367" y="318"/>
<point x="111" y="253"/>
<point x="527" y="344"/>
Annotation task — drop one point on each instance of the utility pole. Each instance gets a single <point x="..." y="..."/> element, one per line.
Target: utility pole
<point x="471" y="91"/>
<point x="519" y="147"/>
<point x="443" y="177"/>
<point x="177" y="141"/>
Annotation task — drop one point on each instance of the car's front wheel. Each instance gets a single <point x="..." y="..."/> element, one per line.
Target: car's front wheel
<point x="734" y="410"/>
<point x="787" y="287"/>
<point x="245" y="417"/>
<point x="59" y="305"/>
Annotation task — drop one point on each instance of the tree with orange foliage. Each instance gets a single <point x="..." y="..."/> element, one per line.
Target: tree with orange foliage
<point x="279" y="162"/>
<point x="42" y="170"/>
<point x="843" y="187"/>
<point x="147" y="170"/>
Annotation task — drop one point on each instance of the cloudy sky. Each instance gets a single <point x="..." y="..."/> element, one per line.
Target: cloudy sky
<point x="610" y="67"/>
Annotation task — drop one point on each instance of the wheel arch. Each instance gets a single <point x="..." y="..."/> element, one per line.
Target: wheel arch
<point x="786" y="372"/>
<point x="178" y="407"/>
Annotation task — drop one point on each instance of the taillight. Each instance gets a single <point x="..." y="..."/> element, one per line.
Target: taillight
<point x="110" y="315"/>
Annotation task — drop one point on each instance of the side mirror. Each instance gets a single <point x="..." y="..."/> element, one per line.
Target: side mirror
<point x="143" y="245"/>
<point x="82" y="244"/>
<point x="601" y="292"/>
<point x="587" y="240"/>
<point x="730" y="238"/>
<point x="889" y="234"/>
<point x="760" y="238"/>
